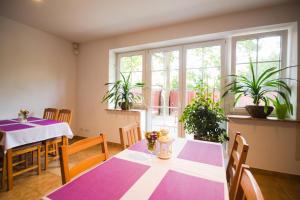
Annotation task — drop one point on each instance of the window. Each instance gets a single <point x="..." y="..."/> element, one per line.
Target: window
<point x="265" y="50"/>
<point x="170" y="73"/>
<point x="132" y="63"/>
<point x="203" y="64"/>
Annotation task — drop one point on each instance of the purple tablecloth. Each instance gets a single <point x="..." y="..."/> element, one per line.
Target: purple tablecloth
<point x="45" y="122"/>
<point x="140" y="146"/>
<point x="110" y="180"/>
<point x="203" y="152"/>
<point x="179" y="186"/>
<point x="5" y="122"/>
<point x="14" y="127"/>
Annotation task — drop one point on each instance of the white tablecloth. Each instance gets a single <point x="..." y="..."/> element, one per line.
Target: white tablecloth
<point x="37" y="133"/>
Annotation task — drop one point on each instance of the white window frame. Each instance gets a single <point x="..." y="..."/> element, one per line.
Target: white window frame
<point x="283" y="58"/>
<point x="118" y="72"/>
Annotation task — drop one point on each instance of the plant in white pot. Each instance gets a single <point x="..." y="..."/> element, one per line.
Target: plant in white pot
<point x="262" y="89"/>
<point x="121" y="94"/>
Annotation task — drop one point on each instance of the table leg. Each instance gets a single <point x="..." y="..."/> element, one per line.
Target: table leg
<point x="9" y="160"/>
<point x="39" y="160"/>
<point x="46" y="154"/>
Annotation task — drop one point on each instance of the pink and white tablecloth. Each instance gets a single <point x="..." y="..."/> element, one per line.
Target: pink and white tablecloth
<point x="15" y="134"/>
<point x="195" y="171"/>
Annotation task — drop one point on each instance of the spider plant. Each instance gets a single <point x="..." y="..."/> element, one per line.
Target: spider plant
<point x="263" y="88"/>
<point x="120" y="94"/>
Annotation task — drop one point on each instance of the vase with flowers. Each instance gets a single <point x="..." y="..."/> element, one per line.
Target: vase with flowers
<point x="151" y="138"/>
<point x="23" y="115"/>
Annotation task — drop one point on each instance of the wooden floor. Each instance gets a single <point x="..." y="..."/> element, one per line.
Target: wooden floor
<point x="31" y="186"/>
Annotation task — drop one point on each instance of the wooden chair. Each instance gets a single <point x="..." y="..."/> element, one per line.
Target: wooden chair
<point x="2" y="165"/>
<point x="237" y="158"/>
<point x="247" y="186"/>
<point x="16" y="152"/>
<point x="50" y="113"/>
<point x="130" y="134"/>
<point x="51" y="145"/>
<point x="66" y="150"/>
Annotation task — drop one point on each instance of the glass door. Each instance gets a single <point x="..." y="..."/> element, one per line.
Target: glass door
<point x="165" y="108"/>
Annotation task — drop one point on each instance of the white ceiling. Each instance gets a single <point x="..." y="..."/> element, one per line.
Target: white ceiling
<point x="83" y="20"/>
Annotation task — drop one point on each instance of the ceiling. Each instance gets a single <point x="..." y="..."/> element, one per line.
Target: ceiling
<point x="84" y="20"/>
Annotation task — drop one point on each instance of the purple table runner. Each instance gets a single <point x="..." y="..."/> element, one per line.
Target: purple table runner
<point x="45" y="122"/>
<point x="30" y="119"/>
<point x="6" y="122"/>
<point x="179" y="186"/>
<point x="202" y="152"/>
<point x="14" y="127"/>
<point x="110" y="180"/>
<point x="140" y="146"/>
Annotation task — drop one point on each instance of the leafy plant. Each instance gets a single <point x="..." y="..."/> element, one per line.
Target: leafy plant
<point x="203" y="116"/>
<point x="280" y="108"/>
<point x="260" y="88"/>
<point x="121" y="93"/>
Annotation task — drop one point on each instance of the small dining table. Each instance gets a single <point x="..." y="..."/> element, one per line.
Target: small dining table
<point x="196" y="170"/>
<point x="13" y="134"/>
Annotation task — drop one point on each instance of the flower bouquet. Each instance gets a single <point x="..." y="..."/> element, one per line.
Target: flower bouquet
<point x="151" y="138"/>
<point x="23" y="115"/>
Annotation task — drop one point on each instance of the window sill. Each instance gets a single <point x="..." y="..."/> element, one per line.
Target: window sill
<point x="124" y="111"/>
<point x="269" y="119"/>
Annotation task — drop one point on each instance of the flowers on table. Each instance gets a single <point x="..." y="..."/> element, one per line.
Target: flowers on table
<point x="151" y="138"/>
<point x="23" y="115"/>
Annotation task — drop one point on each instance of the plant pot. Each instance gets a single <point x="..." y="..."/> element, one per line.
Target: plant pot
<point x="259" y="111"/>
<point x="125" y="105"/>
<point x="281" y="111"/>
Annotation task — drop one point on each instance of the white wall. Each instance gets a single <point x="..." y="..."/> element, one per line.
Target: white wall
<point x="37" y="70"/>
<point x="273" y="145"/>
<point x="94" y="58"/>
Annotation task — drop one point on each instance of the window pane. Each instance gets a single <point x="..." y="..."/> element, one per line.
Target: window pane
<point x="174" y="79"/>
<point x="159" y="78"/>
<point x="269" y="48"/>
<point x="212" y="56"/>
<point x="244" y="69"/>
<point x="194" y="58"/>
<point x="131" y="63"/>
<point x="245" y="50"/>
<point x="157" y="61"/>
<point x="261" y="67"/>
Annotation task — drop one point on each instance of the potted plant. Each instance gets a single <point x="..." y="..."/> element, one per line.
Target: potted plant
<point x="121" y="93"/>
<point x="203" y="117"/>
<point x="261" y="89"/>
<point x="282" y="109"/>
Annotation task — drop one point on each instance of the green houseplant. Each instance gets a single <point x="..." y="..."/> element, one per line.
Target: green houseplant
<point x="281" y="109"/>
<point x="261" y="89"/>
<point x="203" y="117"/>
<point x="120" y="94"/>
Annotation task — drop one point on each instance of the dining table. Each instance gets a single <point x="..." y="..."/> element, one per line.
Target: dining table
<point x="196" y="170"/>
<point x="14" y="133"/>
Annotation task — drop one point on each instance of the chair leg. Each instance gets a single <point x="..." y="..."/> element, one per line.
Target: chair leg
<point x="39" y="160"/>
<point x="9" y="160"/>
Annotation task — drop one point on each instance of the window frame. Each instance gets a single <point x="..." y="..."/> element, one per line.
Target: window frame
<point x="118" y="72"/>
<point x="283" y="59"/>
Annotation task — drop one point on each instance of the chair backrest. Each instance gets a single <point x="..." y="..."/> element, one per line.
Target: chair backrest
<point x="130" y="134"/>
<point x="237" y="158"/>
<point x="247" y="186"/>
<point x="66" y="150"/>
<point x="50" y="113"/>
<point x="65" y="115"/>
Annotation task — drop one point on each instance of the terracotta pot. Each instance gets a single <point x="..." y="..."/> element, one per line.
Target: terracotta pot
<point x="259" y="111"/>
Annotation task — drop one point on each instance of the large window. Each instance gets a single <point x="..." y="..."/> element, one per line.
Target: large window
<point x="171" y="73"/>
<point x="265" y="50"/>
